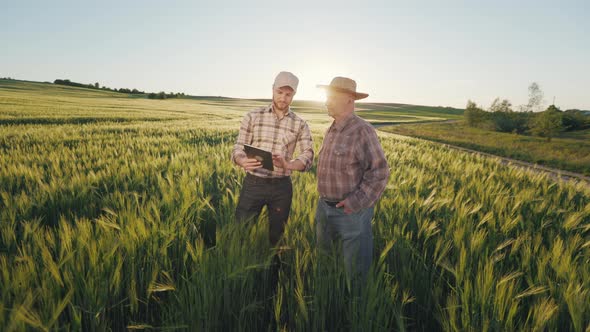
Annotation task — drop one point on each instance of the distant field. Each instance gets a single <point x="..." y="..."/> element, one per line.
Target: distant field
<point x="378" y="113"/>
<point x="116" y="213"/>
<point x="570" y="151"/>
<point x="381" y="110"/>
<point x="78" y="105"/>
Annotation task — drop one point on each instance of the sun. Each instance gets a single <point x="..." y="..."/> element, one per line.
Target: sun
<point x="310" y="75"/>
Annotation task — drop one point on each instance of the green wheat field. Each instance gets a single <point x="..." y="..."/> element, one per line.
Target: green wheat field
<point x="116" y="213"/>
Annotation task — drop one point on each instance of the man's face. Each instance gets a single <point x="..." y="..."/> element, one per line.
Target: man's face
<point x="337" y="102"/>
<point x="282" y="97"/>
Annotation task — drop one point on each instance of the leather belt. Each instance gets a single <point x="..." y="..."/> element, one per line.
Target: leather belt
<point x="259" y="179"/>
<point x="331" y="202"/>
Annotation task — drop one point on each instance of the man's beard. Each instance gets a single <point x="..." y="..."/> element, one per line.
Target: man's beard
<point x="278" y="108"/>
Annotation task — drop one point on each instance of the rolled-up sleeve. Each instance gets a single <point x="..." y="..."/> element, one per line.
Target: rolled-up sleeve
<point x="376" y="172"/>
<point x="305" y="144"/>
<point x="244" y="137"/>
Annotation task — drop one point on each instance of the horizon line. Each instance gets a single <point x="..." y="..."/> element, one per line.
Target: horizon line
<point x="102" y="88"/>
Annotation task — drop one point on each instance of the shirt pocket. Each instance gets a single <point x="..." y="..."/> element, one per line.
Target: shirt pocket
<point x="341" y="149"/>
<point x="343" y="156"/>
<point x="288" y="138"/>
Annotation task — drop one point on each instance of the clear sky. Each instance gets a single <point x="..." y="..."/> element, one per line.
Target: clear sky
<point x="416" y="52"/>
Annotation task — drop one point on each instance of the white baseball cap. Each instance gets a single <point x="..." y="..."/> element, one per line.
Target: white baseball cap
<point x="286" y="78"/>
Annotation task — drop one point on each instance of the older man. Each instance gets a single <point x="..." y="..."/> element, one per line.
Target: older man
<point x="277" y="129"/>
<point x="352" y="174"/>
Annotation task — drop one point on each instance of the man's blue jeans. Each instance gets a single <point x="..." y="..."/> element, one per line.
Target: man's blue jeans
<point x="353" y="231"/>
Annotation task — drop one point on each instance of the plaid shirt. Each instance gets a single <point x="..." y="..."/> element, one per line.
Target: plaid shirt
<point x="352" y="164"/>
<point x="263" y="129"/>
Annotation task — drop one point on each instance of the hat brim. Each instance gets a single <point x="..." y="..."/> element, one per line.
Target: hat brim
<point x="356" y="95"/>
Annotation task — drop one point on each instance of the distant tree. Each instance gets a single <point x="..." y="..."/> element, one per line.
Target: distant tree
<point x="536" y="101"/>
<point x="502" y="115"/>
<point x="70" y="83"/>
<point x="548" y="123"/>
<point x="134" y="91"/>
<point x="96" y="85"/>
<point x="501" y="106"/>
<point x="474" y="116"/>
<point x="520" y="122"/>
<point x="162" y="95"/>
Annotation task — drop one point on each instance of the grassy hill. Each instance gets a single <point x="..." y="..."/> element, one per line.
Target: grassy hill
<point x="63" y="104"/>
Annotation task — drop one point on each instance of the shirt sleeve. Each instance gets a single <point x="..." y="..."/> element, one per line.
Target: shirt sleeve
<point x="376" y="172"/>
<point x="305" y="144"/>
<point x="244" y="137"/>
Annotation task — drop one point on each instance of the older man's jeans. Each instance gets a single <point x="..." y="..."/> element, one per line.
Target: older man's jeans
<point x="352" y="231"/>
<point x="275" y="193"/>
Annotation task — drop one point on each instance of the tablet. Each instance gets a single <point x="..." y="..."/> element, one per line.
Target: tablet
<point x="263" y="156"/>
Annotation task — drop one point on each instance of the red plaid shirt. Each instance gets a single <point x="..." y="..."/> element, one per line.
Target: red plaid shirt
<point x="263" y="129"/>
<point x="352" y="164"/>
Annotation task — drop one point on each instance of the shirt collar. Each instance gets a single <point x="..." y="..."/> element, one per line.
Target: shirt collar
<point x="342" y="124"/>
<point x="289" y="113"/>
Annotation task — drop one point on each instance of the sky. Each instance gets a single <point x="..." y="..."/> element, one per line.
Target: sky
<point x="438" y="53"/>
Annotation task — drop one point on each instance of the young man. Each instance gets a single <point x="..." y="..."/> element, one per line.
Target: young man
<point x="277" y="129"/>
<point x="352" y="174"/>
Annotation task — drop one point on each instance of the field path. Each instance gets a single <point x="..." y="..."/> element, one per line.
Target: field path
<point x="554" y="173"/>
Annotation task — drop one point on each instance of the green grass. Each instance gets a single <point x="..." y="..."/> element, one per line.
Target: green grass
<point x="104" y="225"/>
<point x="570" y="151"/>
<point x="411" y="110"/>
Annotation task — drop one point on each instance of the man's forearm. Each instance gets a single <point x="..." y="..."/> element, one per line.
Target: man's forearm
<point x="239" y="159"/>
<point x="368" y="193"/>
<point x="238" y="155"/>
<point x="296" y="165"/>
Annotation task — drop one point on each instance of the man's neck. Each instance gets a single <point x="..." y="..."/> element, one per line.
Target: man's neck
<point x="280" y="113"/>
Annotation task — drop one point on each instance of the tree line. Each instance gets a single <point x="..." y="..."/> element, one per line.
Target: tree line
<point x="529" y="119"/>
<point x="151" y="95"/>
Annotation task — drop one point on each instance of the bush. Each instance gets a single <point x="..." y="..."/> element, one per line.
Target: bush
<point x="575" y="120"/>
<point x="474" y="116"/>
<point x="548" y="123"/>
<point x="512" y="122"/>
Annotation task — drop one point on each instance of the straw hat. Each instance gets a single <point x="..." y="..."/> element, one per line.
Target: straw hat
<point x="344" y="84"/>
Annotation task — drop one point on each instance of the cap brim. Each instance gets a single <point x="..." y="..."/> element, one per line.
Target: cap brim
<point x="287" y="86"/>
<point x="357" y="95"/>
